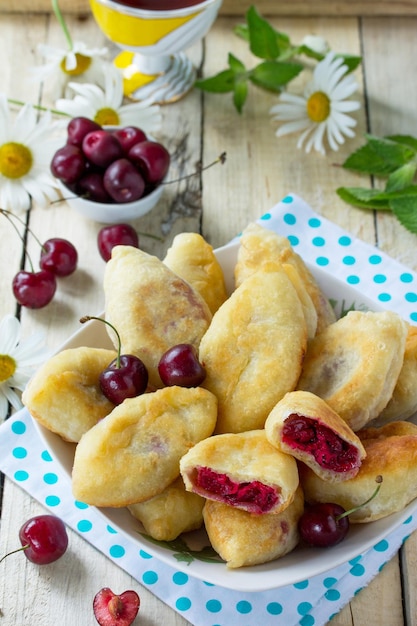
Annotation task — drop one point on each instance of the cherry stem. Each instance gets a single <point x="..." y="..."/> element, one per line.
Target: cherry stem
<point x="88" y="318"/>
<point x="8" y="215"/>
<point x="379" y="480"/>
<point x="25" y="547"/>
<point x="220" y="159"/>
<point x="62" y="23"/>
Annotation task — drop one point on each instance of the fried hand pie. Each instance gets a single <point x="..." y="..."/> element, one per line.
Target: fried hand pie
<point x="354" y="364"/>
<point x="243" y="539"/>
<point x="193" y="259"/>
<point x="65" y="396"/>
<point x="151" y="307"/>
<point x="133" y="454"/>
<point x="253" y="350"/>
<point x="174" y="511"/>
<point x="242" y="470"/>
<point x="391" y="452"/>
<point x="302" y="424"/>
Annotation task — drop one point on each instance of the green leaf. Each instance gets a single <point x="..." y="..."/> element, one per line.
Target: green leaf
<point x="273" y="75"/>
<point x="240" y="94"/>
<point x="407" y="140"/>
<point x="405" y="210"/>
<point x="363" y="198"/>
<point x="379" y="156"/>
<point x="402" y="177"/>
<point x="235" y="64"/>
<point x="222" y="82"/>
<point x="263" y="41"/>
<point x="351" y="61"/>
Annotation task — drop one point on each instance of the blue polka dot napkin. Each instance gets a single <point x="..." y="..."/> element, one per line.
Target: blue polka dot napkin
<point x="311" y="602"/>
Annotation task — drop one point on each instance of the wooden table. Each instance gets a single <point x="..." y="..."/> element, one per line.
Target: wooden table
<point x="260" y="170"/>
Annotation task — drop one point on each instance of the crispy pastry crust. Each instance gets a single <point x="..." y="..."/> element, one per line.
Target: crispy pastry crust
<point x="244" y="458"/>
<point x="174" y="511"/>
<point x="133" y="454"/>
<point x="65" y="396"/>
<point x="152" y="308"/>
<point x="354" y="364"/>
<point x="193" y="259"/>
<point x="254" y="349"/>
<point x="391" y="452"/>
<point x="242" y="539"/>
<point x="306" y="404"/>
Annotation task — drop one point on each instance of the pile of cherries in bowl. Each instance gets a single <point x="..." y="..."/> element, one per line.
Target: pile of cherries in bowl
<point x="109" y="166"/>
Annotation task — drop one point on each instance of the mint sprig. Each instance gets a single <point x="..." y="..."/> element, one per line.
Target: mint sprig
<point x="279" y="64"/>
<point x="393" y="158"/>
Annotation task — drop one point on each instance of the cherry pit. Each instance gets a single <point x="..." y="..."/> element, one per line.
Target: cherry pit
<point x="109" y="165"/>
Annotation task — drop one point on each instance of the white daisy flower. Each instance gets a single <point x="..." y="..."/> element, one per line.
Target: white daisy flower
<point x="322" y="111"/>
<point x="76" y="63"/>
<point x="18" y="361"/>
<point x="105" y="106"/>
<point x="27" y="146"/>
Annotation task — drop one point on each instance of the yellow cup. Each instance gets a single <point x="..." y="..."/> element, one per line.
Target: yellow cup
<point x="153" y="43"/>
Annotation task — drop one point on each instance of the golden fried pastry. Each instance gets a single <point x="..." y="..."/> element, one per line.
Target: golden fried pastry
<point x="151" y="307"/>
<point x="174" y="511"/>
<point x="254" y="349"/>
<point x="354" y="364"/>
<point x="242" y="470"/>
<point x="391" y="452"/>
<point x="134" y="454"/>
<point x="403" y="402"/>
<point x="65" y="396"/>
<point x="243" y="539"/>
<point x="302" y="424"/>
<point x="259" y="245"/>
<point x="193" y="259"/>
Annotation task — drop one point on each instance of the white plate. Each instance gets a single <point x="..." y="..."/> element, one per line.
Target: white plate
<point x="299" y="565"/>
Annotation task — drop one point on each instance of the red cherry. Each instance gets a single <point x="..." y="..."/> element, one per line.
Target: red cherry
<point x="46" y="538"/>
<point x="34" y="289"/>
<point x="180" y="366"/>
<point x="123" y="182"/>
<point x="115" y="610"/>
<point x="125" y="377"/>
<point x="129" y="136"/>
<point x="151" y="157"/>
<point x="78" y="128"/>
<point x="323" y="524"/>
<point x="116" y="235"/>
<point x="101" y="148"/>
<point x="58" y="256"/>
<point x="68" y="164"/>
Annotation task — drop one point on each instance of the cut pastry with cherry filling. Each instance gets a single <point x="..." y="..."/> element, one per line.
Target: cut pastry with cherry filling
<point x="302" y="424"/>
<point x="242" y="470"/>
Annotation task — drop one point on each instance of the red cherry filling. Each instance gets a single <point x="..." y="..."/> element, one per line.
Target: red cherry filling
<point x="327" y="448"/>
<point x="254" y="497"/>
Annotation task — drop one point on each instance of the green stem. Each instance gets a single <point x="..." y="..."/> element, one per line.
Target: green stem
<point x="60" y="18"/>
<point x="38" y="107"/>
<point x="7" y="215"/>
<point x="25" y="547"/>
<point x="88" y="318"/>
<point x="356" y="508"/>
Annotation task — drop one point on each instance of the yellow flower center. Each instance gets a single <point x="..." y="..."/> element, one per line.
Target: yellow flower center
<point x="15" y="160"/>
<point x="81" y="66"/>
<point x="318" y="107"/>
<point x="107" y="117"/>
<point x="7" y="367"/>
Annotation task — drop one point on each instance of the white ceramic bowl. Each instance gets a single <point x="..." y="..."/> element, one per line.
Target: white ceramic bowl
<point x="111" y="213"/>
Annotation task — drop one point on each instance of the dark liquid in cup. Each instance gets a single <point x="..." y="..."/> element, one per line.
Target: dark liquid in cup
<point x="159" y="5"/>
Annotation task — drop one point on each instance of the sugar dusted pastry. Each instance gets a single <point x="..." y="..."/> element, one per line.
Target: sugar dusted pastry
<point x="243" y="539"/>
<point x="259" y="246"/>
<point x="354" y="364"/>
<point x="152" y="308"/>
<point x="254" y="349"/>
<point x="174" y="511"/>
<point x="242" y="470"/>
<point x="403" y="402"/>
<point x="65" y="396"/>
<point x="134" y="454"/>
<point x="192" y="258"/>
<point x="391" y="452"/>
<point x="302" y="424"/>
